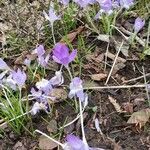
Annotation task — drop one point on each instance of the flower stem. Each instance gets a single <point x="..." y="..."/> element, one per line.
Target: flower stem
<point x="20" y="101"/>
<point x="52" y="29"/>
<point x="82" y="124"/>
<point x="71" y="77"/>
<point x="7" y="99"/>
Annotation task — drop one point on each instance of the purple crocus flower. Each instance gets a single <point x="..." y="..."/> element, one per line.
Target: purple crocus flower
<point x="106" y="6"/>
<point x="76" y="89"/>
<point x="75" y="143"/>
<point x="64" y="2"/>
<point x="42" y="59"/>
<point x="84" y="3"/>
<point x="19" y="77"/>
<point x="51" y="16"/>
<point x="58" y="79"/>
<point x="3" y="65"/>
<point x="139" y="24"/>
<point x="44" y="85"/>
<point x="10" y="82"/>
<point x="37" y="107"/>
<point x="27" y="62"/>
<point x="61" y="54"/>
<point x="126" y="3"/>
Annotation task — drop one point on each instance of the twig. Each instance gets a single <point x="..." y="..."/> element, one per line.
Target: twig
<point x="134" y="79"/>
<point x="114" y="63"/>
<point x="141" y="42"/>
<point x="115" y="87"/>
<point x="146" y="87"/>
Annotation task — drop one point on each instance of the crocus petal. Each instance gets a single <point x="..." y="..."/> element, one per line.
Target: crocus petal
<point x="139" y="24"/>
<point x="27" y="62"/>
<point x="58" y="79"/>
<point x="64" y="2"/>
<point x="75" y="142"/>
<point x="72" y="55"/>
<point x="40" y="50"/>
<point x="44" y="85"/>
<point x="3" y="65"/>
<point x="56" y="59"/>
<point x="19" y="77"/>
<point x="61" y="50"/>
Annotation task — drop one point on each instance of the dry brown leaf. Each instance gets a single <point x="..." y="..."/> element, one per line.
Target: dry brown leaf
<point x="98" y="77"/>
<point x="128" y="107"/>
<point x="117" y="67"/>
<point x="71" y="36"/>
<point x="115" y="104"/>
<point x="46" y="144"/>
<point x="112" y="56"/>
<point x="59" y="93"/>
<point x="103" y="37"/>
<point x="52" y="126"/>
<point x="140" y="118"/>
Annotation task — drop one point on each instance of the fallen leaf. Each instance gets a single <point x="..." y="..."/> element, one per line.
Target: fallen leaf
<point x="117" y="67"/>
<point x="125" y="47"/>
<point x="128" y="107"/>
<point x="115" y="104"/>
<point x="46" y="144"/>
<point x="52" y="126"/>
<point x="140" y="118"/>
<point x="98" y="77"/>
<point x="71" y="36"/>
<point x="59" y="93"/>
<point x="103" y="37"/>
<point x="19" y="146"/>
<point x="112" y="56"/>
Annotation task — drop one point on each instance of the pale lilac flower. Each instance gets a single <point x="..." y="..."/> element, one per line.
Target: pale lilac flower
<point x="126" y="3"/>
<point x="35" y="93"/>
<point x="37" y="107"/>
<point x="84" y="3"/>
<point x="139" y="24"/>
<point x="76" y="89"/>
<point x="64" y="2"/>
<point x="3" y="74"/>
<point x="10" y="82"/>
<point x="75" y="143"/>
<point x="44" y="85"/>
<point x="61" y="54"/>
<point x="3" y="65"/>
<point x="58" y="79"/>
<point x="42" y="59"/>
<point x="27" y="62"/>
<point x="19" y="77"/>
<point x="51" y="16"/>
<point x="106" y="7"/>
<point x="40" y="50"/>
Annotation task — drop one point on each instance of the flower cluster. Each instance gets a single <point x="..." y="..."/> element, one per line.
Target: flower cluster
<point x="11" y="78"/>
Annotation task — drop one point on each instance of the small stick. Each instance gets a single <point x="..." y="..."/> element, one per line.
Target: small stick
<point x="141" y="42"/>
<point x="115" y="87"/>
<point x="114" y="63"/>
<point x="134" y="79"/>
<point x="146" y="88"/>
